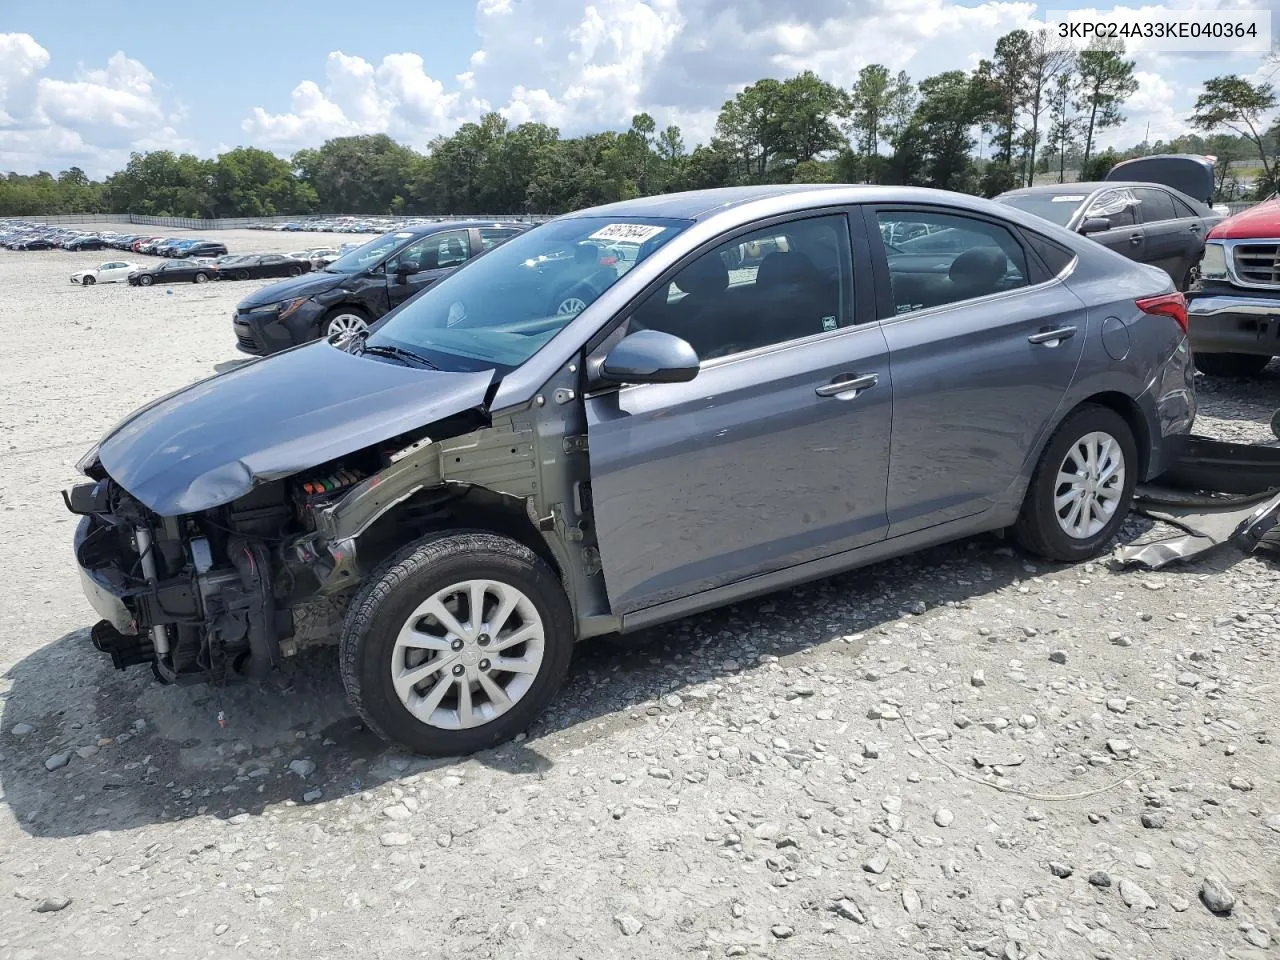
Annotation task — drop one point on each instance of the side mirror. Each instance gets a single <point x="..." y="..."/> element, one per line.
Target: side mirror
<point x="402" y="272"/>
<point x="650" y="356"/>
<point x="1095" y="225"/>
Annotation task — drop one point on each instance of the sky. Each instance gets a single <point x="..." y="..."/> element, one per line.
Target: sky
<point x="85" y="86"/>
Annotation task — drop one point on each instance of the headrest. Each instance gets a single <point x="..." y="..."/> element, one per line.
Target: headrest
<point x="979" y="267"/>
<point x="706" y="276"/>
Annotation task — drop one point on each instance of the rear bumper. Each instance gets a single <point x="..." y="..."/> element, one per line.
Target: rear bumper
<point x="1169" y="407"/>
<point x="1235" y="323"/>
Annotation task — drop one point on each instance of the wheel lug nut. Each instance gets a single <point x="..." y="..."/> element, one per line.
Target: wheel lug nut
<point x="483" y="639"/>
<point x="456" y="645"/>
<point x="459" y="670"/>
<point x="484" y="664"/>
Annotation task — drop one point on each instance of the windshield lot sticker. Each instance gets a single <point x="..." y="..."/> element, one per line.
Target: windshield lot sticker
<point x="634" y="232"/>
<point x="1068" y="199"/>
<point x="828" y="323"/>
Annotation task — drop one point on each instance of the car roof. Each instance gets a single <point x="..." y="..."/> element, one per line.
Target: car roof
<point x="1086" y="187"/>
<point x="695" y="204"/>
<point x="426" y="229"/>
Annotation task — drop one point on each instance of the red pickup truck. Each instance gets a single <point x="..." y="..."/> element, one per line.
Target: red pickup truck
<point x="1234" y="307"/>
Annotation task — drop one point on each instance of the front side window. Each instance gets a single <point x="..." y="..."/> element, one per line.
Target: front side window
<point x="1057" y="208"/>
<point x="368" y="254"/>
<point x="431" y="253"/>
<point x="499" y="310"/>
<point x="975" y="258"/>
<point x="492" y="236"/>
<point x="774" y="285"/>
<point x="1118" y="206"/>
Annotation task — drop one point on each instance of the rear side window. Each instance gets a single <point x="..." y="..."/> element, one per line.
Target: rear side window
<point x="1183" y="209"/>
<point x="490" y="236"/>
<point x="1156" y="205"/>
<point x="947" y="258"/>
<point x="1055" y="256"/>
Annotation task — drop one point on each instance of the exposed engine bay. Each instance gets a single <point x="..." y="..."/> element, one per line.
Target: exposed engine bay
<point x="217" y="595"/>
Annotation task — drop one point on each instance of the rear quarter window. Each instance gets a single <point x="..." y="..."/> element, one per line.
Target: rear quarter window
<point x="1054" y="255"/>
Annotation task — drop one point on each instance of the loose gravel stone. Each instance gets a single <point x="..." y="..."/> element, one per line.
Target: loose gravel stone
<point x="1134" y="896"/>
<point x="1060" y="869"/>
<point x="628" y="924"/>
<point x="1058" y="656"/>
<point x="57" y="761"/>
<point x="1216" y="895"/>
<point x="21" y="729"/>
<point x="52" y="904"/>
<point x="302" y="768"/>
<point x="943" y="817"/>
<point x="1100" y="878"/>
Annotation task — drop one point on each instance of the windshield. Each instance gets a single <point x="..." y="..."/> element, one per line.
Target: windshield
<point x="366" y="255"/>
<point x="1056" y="208"/>
<point x="500" y="309"/>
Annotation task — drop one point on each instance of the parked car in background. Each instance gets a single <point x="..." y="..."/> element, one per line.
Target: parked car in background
<point x="1235" y="305"/>
<point x="84" y="242"/>
<point x="174" y="271"/>
<point x="113" y="271"/>
<point x="807" y="416"/>
<point x="205" y="248"/>
<point x="255" y="266"/>
<point x="361" y="286"/>
<point x="1146" y="222"/>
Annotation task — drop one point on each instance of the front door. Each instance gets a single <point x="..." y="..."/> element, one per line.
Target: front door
<point x="424" y="262"/>
<point x="982" y="356"/>
<point x="776" y="453"/>
<point x="1125" y="236"/>
<point x="1172" y="241"/>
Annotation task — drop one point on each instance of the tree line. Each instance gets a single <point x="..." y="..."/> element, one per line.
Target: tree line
<point x="1034" y="107"/>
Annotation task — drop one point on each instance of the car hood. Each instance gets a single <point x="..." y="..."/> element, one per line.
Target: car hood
<point x="303" y="286"/>
<point x="1257" y="222"/>
<point x="212" y="442"/>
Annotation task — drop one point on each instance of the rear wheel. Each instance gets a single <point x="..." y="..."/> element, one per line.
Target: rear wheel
<point x="201" y="278"/>
<point x="457" y="643"/>
<point x="1082" y="488"/>
<point x="1231" y="364"/>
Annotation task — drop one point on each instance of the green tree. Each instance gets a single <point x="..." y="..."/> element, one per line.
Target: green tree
<point x="1048" y="60"/>
<point x="248" y="182"/>
<point x="364" y="174"/>
<point x="938" y="136"/>
<point x="749" y="125"/>
<point x="1064" y="126"/>
<point x="1105" y="83"/>
<point x="1247" y="109"/>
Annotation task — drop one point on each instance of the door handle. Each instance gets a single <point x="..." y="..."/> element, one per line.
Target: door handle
<point x="1195" y="228"/>
<point x="1052" y="338"/>
<point x="849" y="388"/>
<point x="1135" y="238"/>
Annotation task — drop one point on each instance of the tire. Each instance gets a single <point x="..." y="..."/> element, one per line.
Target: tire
<point x="390" y="605"/>
<point x="145" y="280"/>
<point x="344" y="320"/>
<point x="1189" y="278"/>
<point x="1040" y="529"/>
<point x="573" y="301"/>
<point x="242" y="274"/>
<point x="200" y="278"/>
<point x="1231" y="364"/>
<point x="295" y="271"/>
<point x="88" y="282"/>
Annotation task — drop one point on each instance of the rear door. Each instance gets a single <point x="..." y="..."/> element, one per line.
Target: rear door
<point x="983" y="349"/>
<point x="1168" y="238"/>
<point x="777" y="452"/>
<point x="426" y="261"/>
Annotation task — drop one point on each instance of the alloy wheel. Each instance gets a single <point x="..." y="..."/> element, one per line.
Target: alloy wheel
<point x="571" y="307"/>
<point x="1090" y="484"/>
<point x="344" y="325"/>
<point x="468" y="654"/>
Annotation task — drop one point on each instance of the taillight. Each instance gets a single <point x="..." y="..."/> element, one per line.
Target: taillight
<point x="1167" y="305"/>
<point x="608" y="261"/>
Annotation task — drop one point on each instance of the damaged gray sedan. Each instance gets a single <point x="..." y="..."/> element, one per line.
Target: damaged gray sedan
<point x="494" y="471"/>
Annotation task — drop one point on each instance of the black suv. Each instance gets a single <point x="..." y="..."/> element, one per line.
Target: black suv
<point x="361" y="286"/>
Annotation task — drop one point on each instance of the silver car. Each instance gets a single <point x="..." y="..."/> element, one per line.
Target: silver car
<point x="768" y="392"/>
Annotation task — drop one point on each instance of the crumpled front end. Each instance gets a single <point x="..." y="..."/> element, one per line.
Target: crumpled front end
<point x="195" y="595"/>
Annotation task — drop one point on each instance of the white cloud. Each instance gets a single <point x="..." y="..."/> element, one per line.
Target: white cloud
<point x="92" y="121"/>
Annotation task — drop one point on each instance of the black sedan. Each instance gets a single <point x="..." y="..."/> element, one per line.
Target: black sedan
<point x="206" y="248"/>
<point x="175" y="271"/>
<point x="361" y="286"/>
<point x="255" y="266"/>
<point x="1147" y="222"/>
<point x="84" y="243"/>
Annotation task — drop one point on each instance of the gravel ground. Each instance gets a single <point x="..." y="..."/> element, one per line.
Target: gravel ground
<point x="962" y="753"/>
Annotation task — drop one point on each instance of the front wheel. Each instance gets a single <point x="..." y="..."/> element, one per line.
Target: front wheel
<point x="145" y="281"/>
<point x="295" y="271"/>
<point x="1082" y="488"/>
<point x="1231" y="364"/>
<point x="88" y="282"/>
<point x="457" y="643"/>
<point x="343" y="323"/>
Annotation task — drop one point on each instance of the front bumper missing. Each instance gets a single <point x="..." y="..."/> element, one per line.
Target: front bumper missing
<point x="1217" y="492"/>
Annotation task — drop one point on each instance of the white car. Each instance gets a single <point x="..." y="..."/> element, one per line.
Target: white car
<point x="113" y="271"/>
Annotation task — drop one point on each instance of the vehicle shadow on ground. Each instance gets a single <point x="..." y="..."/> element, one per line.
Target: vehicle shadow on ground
<point x="151" y="753"/>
